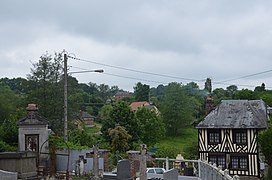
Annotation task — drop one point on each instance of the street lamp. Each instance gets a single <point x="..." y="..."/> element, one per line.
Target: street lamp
<point x="98" y="71"/>
<point x="65" y="94"/>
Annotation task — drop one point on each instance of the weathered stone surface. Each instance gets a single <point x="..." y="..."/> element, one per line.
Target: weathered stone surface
<point x="172" y="174"/>
<point x="8" y="175"/>
<point x="22" y="162"/>
<point x="123" y="170"/>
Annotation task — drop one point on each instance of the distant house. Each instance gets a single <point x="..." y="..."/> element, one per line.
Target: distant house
<point x="137" y="105"/>
<point x="228" y="136"/>
<point x="121" y="95"/>
<point x="85" y="118"/>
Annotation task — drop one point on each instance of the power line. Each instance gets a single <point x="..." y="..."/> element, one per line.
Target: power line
<point x="138" y="79"/>
<point x="145" y="80"/>
<point x="167" y="76"/>
<point x="243" y="85"/>
<point x="137" y="71"/>
<point x="242" y="77"/>
<point x="126" y="77"/>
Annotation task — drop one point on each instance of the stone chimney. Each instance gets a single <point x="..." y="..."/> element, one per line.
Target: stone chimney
<point x="209" y="106"/>
<point x="32" y="107"/>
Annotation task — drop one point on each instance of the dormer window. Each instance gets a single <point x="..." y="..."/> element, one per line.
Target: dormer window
<point x="214" y="136"/>
<point x="240" y="136"/>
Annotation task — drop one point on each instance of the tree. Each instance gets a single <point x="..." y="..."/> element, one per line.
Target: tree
<point x="141" y="92"/>
<point x="9" y="102"/>
<point x="119" y="139"/>
<point x="175" y="108"/>
<point x="81" y="137"/>
<point x="245" y="94"/>
<point x="104" y="92"/>
<point x="191" y="89"/>
<point x="267" y="97"/>
<point x="231" y="90"/>
<point x="151" y="125"/>
<point x="260" y="88"/>
<point x="208" y="85"/>
<point x="9" y="129"/>
<point x="121" y="115"/>
<point x="266" y="147"/>
<point x="17" y="85"/>
<point x="218" y="95"/>
<point x="104" y="112"/>
<point x="46" y="89"/>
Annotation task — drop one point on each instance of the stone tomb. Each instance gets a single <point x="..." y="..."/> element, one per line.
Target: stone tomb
<point x="33" y="132"/>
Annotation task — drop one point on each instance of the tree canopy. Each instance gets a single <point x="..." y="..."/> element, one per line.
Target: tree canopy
<point x="141" y="92"/>
<point x="175" y="108"/>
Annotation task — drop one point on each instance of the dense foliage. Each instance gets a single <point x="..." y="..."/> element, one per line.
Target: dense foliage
<point x="121" y="115"/>
<point x="266" y="147"/>
<point x="179" y="105"/>
<point x="175" y="109"/>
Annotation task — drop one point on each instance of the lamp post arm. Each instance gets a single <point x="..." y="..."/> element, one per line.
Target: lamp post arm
<point x="98" y="71"/>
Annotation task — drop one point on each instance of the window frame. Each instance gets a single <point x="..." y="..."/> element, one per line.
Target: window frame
<point x="213" y="133"/>
<point x="239" y="157"/>
<point x="241" y="133"/>
<point x="217" y="156"/>
<point x="33" y="145"/>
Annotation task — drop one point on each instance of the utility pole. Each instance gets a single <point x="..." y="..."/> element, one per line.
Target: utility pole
<point x="65" y="100"/>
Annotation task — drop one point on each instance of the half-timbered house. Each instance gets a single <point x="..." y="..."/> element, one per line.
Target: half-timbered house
<point x="228" y="136"/>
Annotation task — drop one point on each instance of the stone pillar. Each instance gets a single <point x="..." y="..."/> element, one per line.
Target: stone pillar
<point x="95" y="163"/>
<point x="143" y="175"/>
<point x="167" y="164"/>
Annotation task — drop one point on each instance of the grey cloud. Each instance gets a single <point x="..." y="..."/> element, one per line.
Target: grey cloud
<point x="184" y="38"/>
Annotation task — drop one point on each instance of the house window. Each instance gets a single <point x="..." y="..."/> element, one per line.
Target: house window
<point x="214" y="136"/>
<point x="240" y="136"/>
<point x="239" y="162"/>
<point x="218" y="159"/>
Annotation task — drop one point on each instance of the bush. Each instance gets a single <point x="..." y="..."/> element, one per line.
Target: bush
<point x="170" y="152"/>
<point x="5" y="147"/>
<point x="191" y="151"/>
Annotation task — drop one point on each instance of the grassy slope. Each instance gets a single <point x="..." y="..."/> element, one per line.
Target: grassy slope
<point x="169" y="145"/>
<point x="179" y="143"/>
<point x="95" y="129"/>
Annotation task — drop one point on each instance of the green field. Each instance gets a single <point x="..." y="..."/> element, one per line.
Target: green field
<point x="185" y="143"/>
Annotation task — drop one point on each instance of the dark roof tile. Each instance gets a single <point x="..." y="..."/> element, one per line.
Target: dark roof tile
<point x="237" y="114"/>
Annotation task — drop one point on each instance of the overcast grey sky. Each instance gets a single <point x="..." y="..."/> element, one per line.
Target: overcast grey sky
<point x="185" y="39"/>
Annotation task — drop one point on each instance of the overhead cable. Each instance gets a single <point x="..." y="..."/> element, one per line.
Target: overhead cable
<point x="126" y="77"/>
<point x="137" y="71"/>
<point x="242" y="77"/>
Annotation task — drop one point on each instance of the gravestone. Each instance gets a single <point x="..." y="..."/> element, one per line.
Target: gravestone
<point x="123" y="170"/>
<point x="172" y="174"/>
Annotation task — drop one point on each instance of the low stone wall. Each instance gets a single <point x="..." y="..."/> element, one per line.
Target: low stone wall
<point x="208" y="171"/>
<point x="62" y="160"/>
<point x="24" y="163"/>
<point x="5" y="175"/>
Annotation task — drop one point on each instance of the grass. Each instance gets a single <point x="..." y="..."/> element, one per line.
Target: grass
<point x="171" y="146"/>
<point x="95" y="129"/>
<point x="168" y="146"/>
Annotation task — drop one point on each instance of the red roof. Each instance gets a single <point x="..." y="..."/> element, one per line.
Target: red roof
<point x="136" y="105"/>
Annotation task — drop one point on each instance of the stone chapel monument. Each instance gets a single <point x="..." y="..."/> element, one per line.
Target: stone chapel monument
<point x="33" y="132"/>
